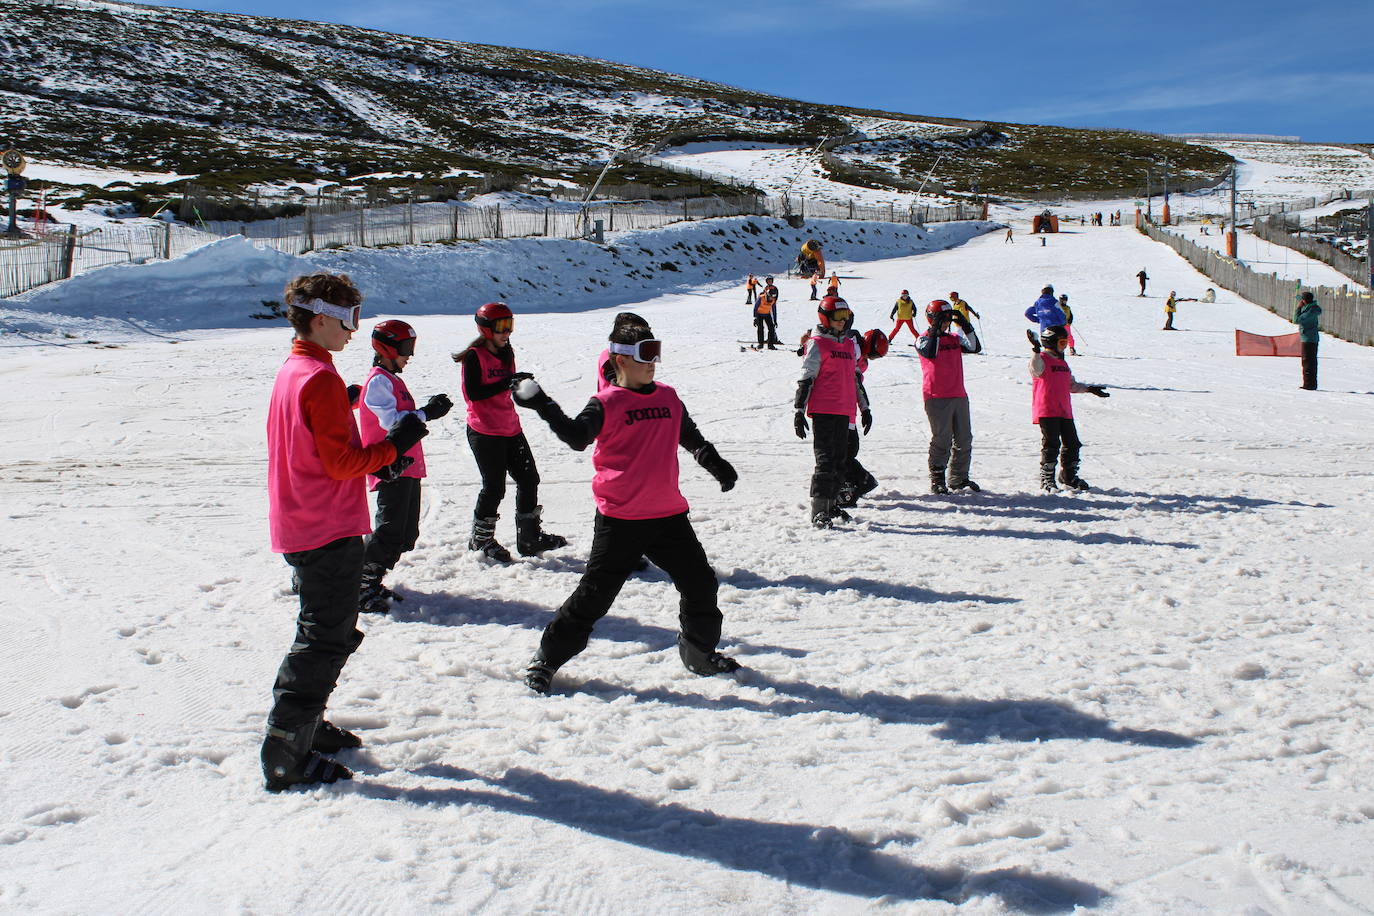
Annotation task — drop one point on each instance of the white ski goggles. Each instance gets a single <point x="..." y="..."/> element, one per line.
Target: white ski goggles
<point x="645" y="351"/>
<point x="349" y="317"/>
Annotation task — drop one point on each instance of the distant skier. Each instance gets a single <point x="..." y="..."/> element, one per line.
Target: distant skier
<point x="1170" y="309"/>
<point x="946" y="401"/>
<point x="317" y="515"/>
<point x="638" y="426"/>
<point x="1068" y="320"/>
<point x="385" y="401"/>
<point x="1052" y="408"/>
<point x="904" y="311"/>
<point x="832" y="287"/>
<point x="749" y="286"/>
<point x="1308" y="318"/>
<point x="1045" y="311"/>
<point x="766" y="316"/>
<point x="1142" y="278"/>
<point x="828" y="392"/>
<point x="962" y="307"/>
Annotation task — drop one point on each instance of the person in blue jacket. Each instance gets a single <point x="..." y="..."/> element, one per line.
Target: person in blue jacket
<point x="1308" y="319"/>
<point x="1046" y="311"/>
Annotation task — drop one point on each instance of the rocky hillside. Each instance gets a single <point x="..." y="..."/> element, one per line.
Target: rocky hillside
<point x="238" y="100"/>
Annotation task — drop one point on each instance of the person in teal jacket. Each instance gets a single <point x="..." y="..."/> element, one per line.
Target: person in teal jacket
<point x="1308" y="319"/>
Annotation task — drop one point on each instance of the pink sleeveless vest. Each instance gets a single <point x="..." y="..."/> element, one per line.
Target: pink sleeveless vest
<point x="306" y="507"/>
<point x="371" y="428"/>
<point x="943" y="376"/>
<point x="1050" y="396"/>
<point x="636" y="454"/>
<point x="494" y="416"/>
<point x="834" y="390"/>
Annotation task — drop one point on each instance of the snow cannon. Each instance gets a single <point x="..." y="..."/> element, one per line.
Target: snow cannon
<point x="811" y="260"/>
<point x="1045" y="222"/>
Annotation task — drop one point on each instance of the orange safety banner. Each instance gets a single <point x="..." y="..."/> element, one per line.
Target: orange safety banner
<point x="1248" y="344"/>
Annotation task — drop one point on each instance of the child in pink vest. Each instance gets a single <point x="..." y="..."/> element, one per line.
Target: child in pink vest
<point x="1052" y="408"/>
<point x="497" y="442"/>
<point x="829" y="392"/>
<point x="385" y="401"/>
<point x="638" y="426"/>
<point x="946" y="402"/>
<point x="317" y="510"/>
<point x="605" y="363"/>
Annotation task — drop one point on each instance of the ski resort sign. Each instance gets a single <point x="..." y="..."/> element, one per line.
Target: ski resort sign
<point x="14" y="161"/>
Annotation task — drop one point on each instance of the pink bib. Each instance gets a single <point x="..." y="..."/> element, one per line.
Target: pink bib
<point x="493" y="416"/>
<point x="636" y="454"/>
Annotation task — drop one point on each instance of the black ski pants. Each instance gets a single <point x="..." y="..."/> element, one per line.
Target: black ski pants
<point x="396" y="526"/>
<point x="769" y="324"/>
<point x="830" y="441"/>
<point x="326" y="631"/>
<point x="617" y="545"/>
<point x="496" y="457"/>
<point x="1059" y="439"/>
<point x="855" y="474"/>
<point x="1309" y="364"/>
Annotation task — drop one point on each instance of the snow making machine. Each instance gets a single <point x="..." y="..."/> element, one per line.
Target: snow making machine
<point x="811" y="260"/>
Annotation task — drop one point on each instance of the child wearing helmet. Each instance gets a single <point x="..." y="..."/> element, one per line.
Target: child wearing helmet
<point x="1068" y="321"/>
<point x="638" y="425"/>
<point x="857" y="481"/>
<point x="828" y="392"/>
<point x="1052" y="408"/>
<point x="766" y="316"/>
<point x="317" y="515"/>
<point x="498" y="444"/>
<point x="904" y="311"/>
<point x="942" y="350"/>
<point x="385" y="402"/>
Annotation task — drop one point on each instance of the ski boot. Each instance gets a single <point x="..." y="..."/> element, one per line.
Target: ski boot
<point x="1068" y="476"/>
<point x="865" y="486"/>
<point x="531" y="539"/>
<point x="484" y="541"/>
<point x="539" y="674"/>
<point x="288" y="760"/>
<point x="964" y="484"/>
<point x="848" y="497"/>
<point x="704" y="663"/>
<point x="822" y="513"/>
<point x="330" y="739"/>
<point x="937" y="481"/>
<point x="1047" y="477"/>
<point x="373" y="597"/>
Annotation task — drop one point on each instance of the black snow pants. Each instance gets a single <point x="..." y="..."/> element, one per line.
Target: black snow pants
<point x="1309" y="364"/>
<point x="496" y="457"/>
<point x="617" y="544"/>
<point x="1059" y="439"/>
<point x="830" y="442"/>
<point x="766" y="323"/>
<point x="326" y="631"/>
<point x="396" y="526"/>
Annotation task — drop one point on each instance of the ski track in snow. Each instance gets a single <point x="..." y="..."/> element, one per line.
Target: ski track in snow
<point x="1145" y="698"/>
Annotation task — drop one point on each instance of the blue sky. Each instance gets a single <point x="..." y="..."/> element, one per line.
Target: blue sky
<point x="1296" y="69"/>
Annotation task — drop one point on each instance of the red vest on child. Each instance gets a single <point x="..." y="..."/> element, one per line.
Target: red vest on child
<point x="1050" y="395"/>
<point x="943" y="376"/>
<point x="636" y="454"/>
<point x="371" y="428"/>
<point x="306" y="507"/>
<point x="493" y="416"/>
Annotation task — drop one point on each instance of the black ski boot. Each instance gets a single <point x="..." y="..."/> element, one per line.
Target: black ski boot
<point x="704" y="663"/>
<point x="484" y="541"/>
<point x="865" y="486"/>
<point x="824" y="512"/>
<point x="288" y="760"/>
<point x="531" y="539"/>
<point x="539" y="674"/>
<point x="964" y="484"/>
<point x="937" y="481"/>
<point x="848" y="497"/>
<point x="330" y="739"/>
<point x="373" y="597"/>
<point x="1068" y="476"/>
<point x="1047" y="477"/>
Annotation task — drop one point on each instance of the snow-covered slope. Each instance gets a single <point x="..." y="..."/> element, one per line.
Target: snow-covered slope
<point x="1149" y="698"/>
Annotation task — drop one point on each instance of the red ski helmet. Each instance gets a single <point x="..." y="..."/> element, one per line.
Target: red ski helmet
<point x="874" y="345"/>
<point x="393" y="338"/>
<point x="494" y="317"/>
<point x="829" y="306"/>
<point x="937" y="309"/>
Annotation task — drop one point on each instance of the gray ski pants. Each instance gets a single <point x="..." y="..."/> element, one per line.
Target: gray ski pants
<point x="951" y="436"/>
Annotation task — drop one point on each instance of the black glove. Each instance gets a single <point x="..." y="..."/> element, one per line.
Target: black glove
<point x="408" y="430"/>
<point x="437" y="406"/>
<point x="1035" y="341"/>
<point x="866" y="420"/>
<point x="394" y="470"/>
<point x="717" y="467"/>
<point x="799" y="424"/>
<point x="1099" y="391"/>
<point x="354" y="392"/>
<point x="533" y="401"/>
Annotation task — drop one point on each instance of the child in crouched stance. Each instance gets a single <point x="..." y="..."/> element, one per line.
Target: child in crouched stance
<point x="637" y="426"/>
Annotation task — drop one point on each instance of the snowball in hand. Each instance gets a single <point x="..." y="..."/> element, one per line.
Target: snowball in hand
<point x="527" y="390"/>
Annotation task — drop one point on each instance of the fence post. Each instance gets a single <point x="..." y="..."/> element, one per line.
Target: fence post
<point x="362" y="226"/>
<point x="68" y="253"/>
<point x="851" y="208"/>
<point x="498" y="221"/>
<point x="410" y="221"/>
<point x="309" y="229"/>
<point x="453" y="217"/>
<point x="546" y="222"/>
<point x="166" y="241"/>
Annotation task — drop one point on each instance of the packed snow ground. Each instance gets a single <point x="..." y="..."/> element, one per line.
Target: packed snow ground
<point x="1149" y="698"/>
